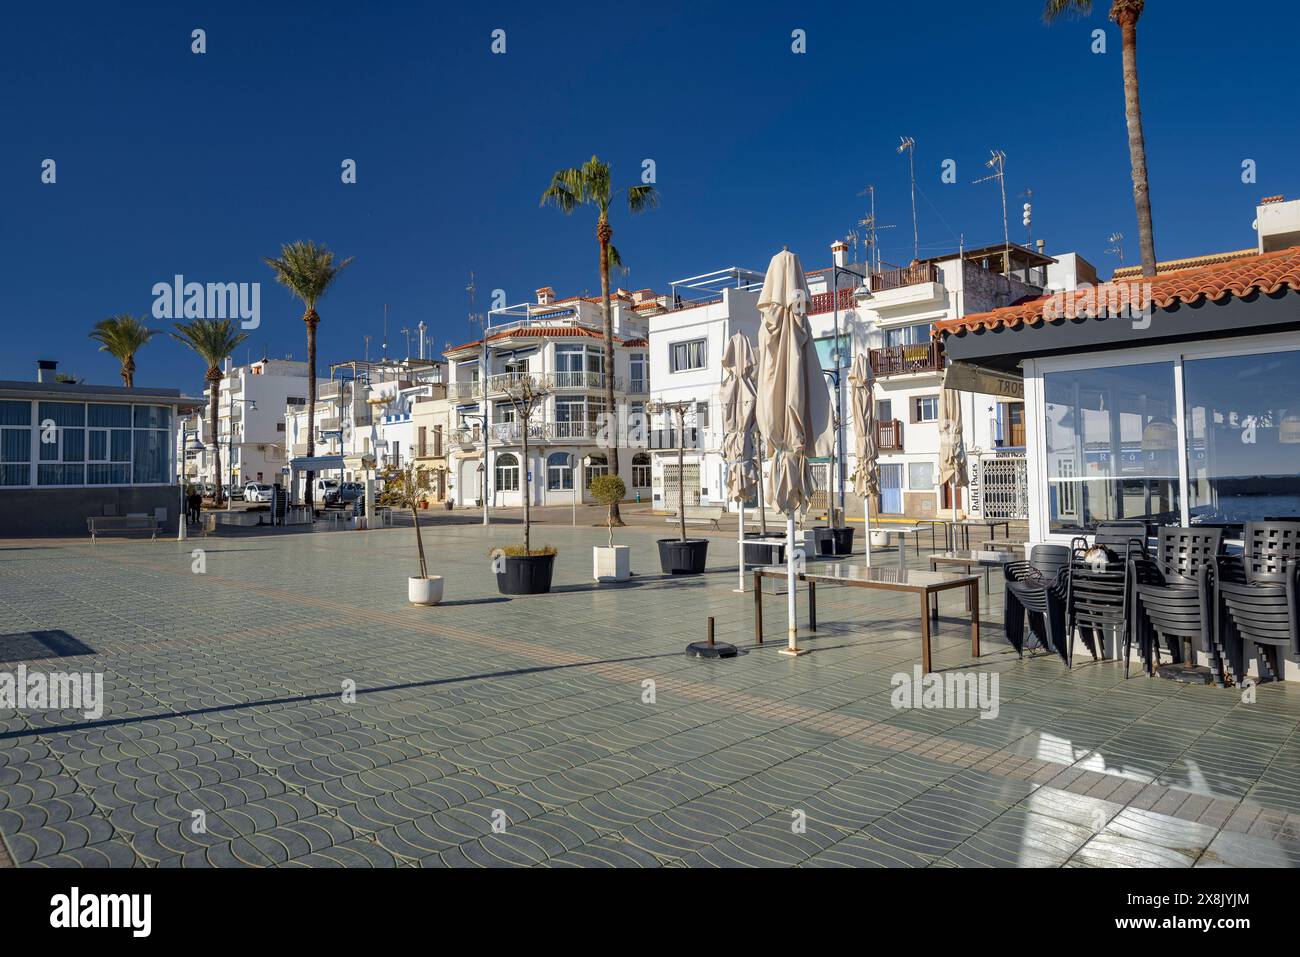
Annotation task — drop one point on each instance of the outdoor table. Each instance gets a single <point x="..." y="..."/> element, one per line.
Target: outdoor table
<point x="926" y="585"/>
<point x="972" y="559"/>
<point x="902" y="531"/>
<point x="966" y="524"/>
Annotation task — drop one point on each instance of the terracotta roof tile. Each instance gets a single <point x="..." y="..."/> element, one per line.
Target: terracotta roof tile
<point x="1265" y="272"/>
<point x="542" y="332"/>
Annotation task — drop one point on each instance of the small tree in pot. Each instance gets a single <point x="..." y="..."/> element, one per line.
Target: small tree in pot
<point x="613" y="562"/>
<point x="402" y="490"/>
<point x="523" y="570"/>
<point x="680" y="556"/>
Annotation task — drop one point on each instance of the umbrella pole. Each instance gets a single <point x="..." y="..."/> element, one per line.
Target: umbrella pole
<point x="792" y="647"/>
<point x="866" y="512"/>
<point x="741" y="547"/>
<point x="952" y="529"/>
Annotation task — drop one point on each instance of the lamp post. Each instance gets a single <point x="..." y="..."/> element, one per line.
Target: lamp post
<point x="197" y="446"/>
<point x="230" y="445"/>
<point x="483" y="481"/>
<point x="838" y="357"/>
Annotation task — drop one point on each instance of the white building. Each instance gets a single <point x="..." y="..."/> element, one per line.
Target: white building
<point x="559" y="342"/>
<point x="250" y="422"/>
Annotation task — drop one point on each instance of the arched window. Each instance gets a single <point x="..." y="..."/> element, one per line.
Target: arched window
<point x="641" y="470"/>
<point x="559" y="473"/>
<point x="599" y="466"/>
<point x="507" y="472"/>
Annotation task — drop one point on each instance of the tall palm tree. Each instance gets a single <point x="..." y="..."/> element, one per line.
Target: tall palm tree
<point x="122" y="336"/>
<point x="589" y="185"/>
<point x="308" y="270"/>
<point x="214" y="340"/>
<point x="1125" y="13"/>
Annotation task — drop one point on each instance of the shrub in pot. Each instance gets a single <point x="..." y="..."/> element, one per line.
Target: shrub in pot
<point x="682" y="555"/>
<point x="610" y="562"/>
<point x="522" y="569"/>
<point x="402" y="489"/>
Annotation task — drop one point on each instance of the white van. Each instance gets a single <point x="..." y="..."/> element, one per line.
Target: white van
<point x="325" y="492"/>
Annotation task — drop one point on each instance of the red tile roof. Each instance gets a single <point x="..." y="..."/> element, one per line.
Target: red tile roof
<point x="544" y="332"/>
<point x="1265" y="272"/>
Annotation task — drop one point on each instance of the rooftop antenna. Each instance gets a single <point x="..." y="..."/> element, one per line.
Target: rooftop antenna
<point x="997" y="162"/>
<point x="1028" y="218"/>
<point x="367" y="338"/>
<point x="407" y="332"/>
<point x="1116" y="247"/>
<point x="906" y="143"/>
<point x="872" y="227"/>
<point x="385" y="344"/>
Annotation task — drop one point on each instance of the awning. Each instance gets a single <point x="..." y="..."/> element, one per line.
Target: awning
<point x="968" y="377"/>
<point x="317" y="463"/>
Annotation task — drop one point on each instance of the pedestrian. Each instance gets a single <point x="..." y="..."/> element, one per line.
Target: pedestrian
<point x="195" y="503"/>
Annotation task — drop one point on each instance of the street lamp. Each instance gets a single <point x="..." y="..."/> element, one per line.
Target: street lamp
<point x="230" y="445"/>
<point x="186" y="446"/>
<point x="482" y="468"/>
<point x="859" y="295"/>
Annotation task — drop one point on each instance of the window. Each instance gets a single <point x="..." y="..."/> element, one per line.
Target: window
<point x="688" y="355"/>
<point x="641" y="470"/>
<point x="507" y="472"/>
<point x="925" y="408"/>
<point x="151" y="458"/>
<point x="1243" y="436"/>
<point x="920" y="476"/>
<point x="62" y="447"/>
<point x="559" y="473"/>
<point x="108" y="444"/>
<point x="917" y="334"/>
<point x="640" y="381"/>
<point x="15" y="443"/>
<point x="884" y="410"/>
<point x="826" y="349"/>
<point x="599" y="466"/>
<point x="702" y="415"/>
<point x="1112" y="446"/>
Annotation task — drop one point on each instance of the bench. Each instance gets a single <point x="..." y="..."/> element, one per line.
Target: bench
<point x="701" y="515"/>
<point x="107" y="524"/>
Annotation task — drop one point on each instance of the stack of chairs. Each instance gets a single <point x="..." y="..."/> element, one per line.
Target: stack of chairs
<point x="1098" y="594"/>
<point x="1036" y="590"/>
<point x="1173" y="599"/>
<point x="1257" y="596"/>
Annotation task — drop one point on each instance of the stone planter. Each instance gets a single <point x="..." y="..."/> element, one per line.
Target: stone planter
<point x="611" y="564"/>
<point x="424" y="591"/>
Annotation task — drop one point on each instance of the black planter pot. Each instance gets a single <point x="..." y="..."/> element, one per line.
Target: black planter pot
<point x="526" y="575"/>
<point x="842" y="541"/>
<point x="831" y="542"/>
<point x="760" y="553"/>
<point x="677" y="557"/>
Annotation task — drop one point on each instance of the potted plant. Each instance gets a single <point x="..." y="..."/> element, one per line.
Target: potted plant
<point x="682" y="555"/>
<point x="522" y="569"/>
<point x="402" y="490"/>
<point x="611" y="562"/>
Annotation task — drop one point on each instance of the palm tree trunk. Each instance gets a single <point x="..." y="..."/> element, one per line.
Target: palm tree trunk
<point x="311" y="319"/>
<point x="604" y="233"/>
<point x="128" y="372"/>
<point x="526" y="467"/>
<point x="214" y="384"/>
<point x="1127" y="17"/>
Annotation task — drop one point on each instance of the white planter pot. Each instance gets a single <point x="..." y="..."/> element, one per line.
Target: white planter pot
<point x="879" y="539"/>
<point x="611" y="564"/>
<point x="424" y="591"/>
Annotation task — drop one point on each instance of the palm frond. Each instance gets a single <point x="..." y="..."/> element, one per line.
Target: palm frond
<point x="585" y="185"/>
<point x="122" y="336"/>
<point x="212" y="339"/>
<point x="616" y="260"/>
<point x="1054" y="10"/>
<point x="641" y="198"/>
<point x="307" y="269"/>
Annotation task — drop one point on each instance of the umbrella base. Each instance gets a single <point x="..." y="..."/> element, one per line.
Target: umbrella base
<point x="702" y="649"/>
<point x="1188" y="674"/>
<point x="793" y="652"/>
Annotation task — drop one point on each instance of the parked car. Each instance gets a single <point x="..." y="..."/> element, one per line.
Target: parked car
<point x="350" y="492"/>
<point x="325" y="492"/>
<point x="209" y="489"/>
<point x="257" y="492"/>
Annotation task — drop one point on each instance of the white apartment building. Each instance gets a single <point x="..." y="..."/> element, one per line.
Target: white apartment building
<point x="250" y="422"/>
<point x="559" y="342"/>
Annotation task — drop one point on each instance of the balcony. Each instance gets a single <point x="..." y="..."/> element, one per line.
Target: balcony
<point x="511" y="433"/>
<point x="907" y="360"/>
<point x="463" y="391"/>
<point x="902" y="276"/>
<point x="889" y="435"/>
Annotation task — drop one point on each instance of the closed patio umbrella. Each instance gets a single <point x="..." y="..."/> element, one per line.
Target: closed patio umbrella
<point x="862" y="402"/>
<point x="793" y="412"/>
<point x="738" y="368"/>
<point x="952" y="449"/>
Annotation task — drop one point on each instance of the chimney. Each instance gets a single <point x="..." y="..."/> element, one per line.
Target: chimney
<point x="545" y="296"/>
<point x="45" y="370"/>
<point x="1277" y="223"/>
<point x="422" y="327"/>
<point x="840" y="252"/>
<point x="1042" y="246"/>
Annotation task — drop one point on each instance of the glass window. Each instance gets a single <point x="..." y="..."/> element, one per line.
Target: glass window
<point x="688" y="355"/>
<point x="702" y="415"/>
<point x="599" y="466"/>
<point x="559" y="474"/>
<point x="1243" y="434"/>
<point x="15" y="443"/>
<point x="641" y="470"/>
<point x="108" y="416"/>
<point x="926" y="408"/>
<point x="507" y="472"/>
<point x="826" y="349"/>
<point x="1112" y="446"/>
<point x="917" y="334"/>
<point x="153" y="417"/>
<point x="920" y="476"/>
<point x="151" y="457"/>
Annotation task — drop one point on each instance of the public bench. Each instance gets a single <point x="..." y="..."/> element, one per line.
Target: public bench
<point x="108" y="524"/>
<point x="701" y="515"/>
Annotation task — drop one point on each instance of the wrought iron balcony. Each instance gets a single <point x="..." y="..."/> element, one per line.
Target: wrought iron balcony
<point x="907" y="360"/>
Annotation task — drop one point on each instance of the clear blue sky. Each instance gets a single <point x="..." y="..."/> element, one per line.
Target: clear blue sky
<point x="171" y="163"/>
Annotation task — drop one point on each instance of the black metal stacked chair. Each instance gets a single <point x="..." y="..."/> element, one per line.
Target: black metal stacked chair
<point x="1257" y="595"/>
<point x="1174" y="599"/>
<point x="1036" y="590"/>
<point x="1098" y="592"/>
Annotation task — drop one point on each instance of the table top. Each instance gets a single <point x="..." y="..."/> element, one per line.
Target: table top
<point x="975" y="557"/>
<point x="970" y="522"/>
<point x="874" y="576"/>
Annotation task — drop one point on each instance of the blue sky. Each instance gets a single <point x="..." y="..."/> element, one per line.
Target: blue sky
<point x="170" y="162"/>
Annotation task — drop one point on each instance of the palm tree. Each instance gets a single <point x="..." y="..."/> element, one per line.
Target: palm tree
<point x="1125" y="13"/>
<point x="308" y="270"/>
<point x="122" y="336"/>
<point x="214" y="340"/>
<point x="589" y="185"/>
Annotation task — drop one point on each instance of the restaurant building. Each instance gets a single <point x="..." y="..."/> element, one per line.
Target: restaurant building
<point x="1174" y="399"/>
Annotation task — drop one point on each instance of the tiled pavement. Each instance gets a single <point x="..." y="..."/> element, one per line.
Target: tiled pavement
<point x="225" y="696"/>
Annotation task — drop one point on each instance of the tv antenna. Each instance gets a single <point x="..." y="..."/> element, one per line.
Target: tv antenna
<point x="407" y="332"/>
<point x="385" y="343"/>
<point x="997" y="162"/>
<point x="367" y="338"/>
<point x="872" y="226"/>
<point x="1116" y="247"/>
<point x="906" y="143"/>
<point x="1028" y="214"/>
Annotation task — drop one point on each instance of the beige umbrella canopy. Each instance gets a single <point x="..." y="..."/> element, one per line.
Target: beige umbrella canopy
<point x="738" y="402"/>
<point x="863" y="406"/>
<point x="794" y="410"/>
<point x="952" y="447"/>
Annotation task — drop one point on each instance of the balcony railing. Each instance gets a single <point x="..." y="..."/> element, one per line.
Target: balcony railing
<point x="638" y="386"/>
<point x="889" y="435"/>
<point x="902" y="276"/>
<point x="904" y="360"/>
<point x="460" y="391"/>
